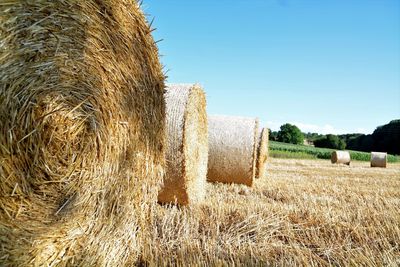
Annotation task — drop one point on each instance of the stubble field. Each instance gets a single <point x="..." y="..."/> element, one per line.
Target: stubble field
<point x="304" y="212"/>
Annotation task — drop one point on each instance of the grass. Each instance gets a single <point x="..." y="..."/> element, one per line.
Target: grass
<point x="290" y="155"/>
<point x="283" y="150"/>
<point x="304" y="212"/>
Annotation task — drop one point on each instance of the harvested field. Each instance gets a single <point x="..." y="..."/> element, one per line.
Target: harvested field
<point x="304" y="212"/>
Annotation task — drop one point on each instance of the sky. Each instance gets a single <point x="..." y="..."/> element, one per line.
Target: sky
<point x="327" y="66"/>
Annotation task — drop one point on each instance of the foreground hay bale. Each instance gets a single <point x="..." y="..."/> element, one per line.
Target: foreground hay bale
<point x="341" y="157"/>
<point x="81" y="131"/>
<point x="232" y="149"/>
<point x="378" y="159"/>
<point x="187" y="145"/>
<point x="262" y="153"/>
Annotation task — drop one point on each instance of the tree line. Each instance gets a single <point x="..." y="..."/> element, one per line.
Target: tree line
<point x="385" y="138"/>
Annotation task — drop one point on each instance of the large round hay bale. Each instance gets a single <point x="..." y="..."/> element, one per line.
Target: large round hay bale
<point x="262" y="153"/>
<point x="378" y="159"/>
<point x="232" y="149"/>
<point x="187" y="145"/>
<point x="341" y="157"/>
<point x="81" y="131"/>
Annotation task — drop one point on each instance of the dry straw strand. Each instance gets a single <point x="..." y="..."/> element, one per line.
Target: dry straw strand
<point x="187" y="145"/>
<point x="262" y="153"/>
<point x="378" y="159"/>
<point x="232" y="149"/>
<point x="341" y="157"/>
<point x="81" y="131"/>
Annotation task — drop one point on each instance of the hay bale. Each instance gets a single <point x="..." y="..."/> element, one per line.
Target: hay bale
<point x="262" y="153"/>
<point x="187" y="145"/>
<point x="378" y="159"/>
<point x="81" y="131"/>
<point x="232" y="149"/>
<point x="341" y="157"/>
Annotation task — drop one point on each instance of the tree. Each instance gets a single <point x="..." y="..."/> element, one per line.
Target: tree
<point x="348" y="137"/>
<point x="273" y="136"/>
<point x="330" y="141"/>
<point x="387" y="138"/>
<point x="290" y="134"/>
<point x="312" y="136"/>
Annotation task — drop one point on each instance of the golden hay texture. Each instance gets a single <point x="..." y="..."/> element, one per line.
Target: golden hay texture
<point x="187" y="145"/>
<point x="305" y="213"/>
<point x="232" y="149"/>
<point x="341" y="157"/>
<point x="81" y="131"/>
<point x="262" y="153"/>
<point x="378" y="159"/>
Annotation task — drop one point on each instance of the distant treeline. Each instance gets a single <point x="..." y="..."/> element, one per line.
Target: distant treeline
<point x="385" y="138"/>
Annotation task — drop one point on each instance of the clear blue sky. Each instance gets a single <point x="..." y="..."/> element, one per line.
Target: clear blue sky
<point x="325" y="65"/>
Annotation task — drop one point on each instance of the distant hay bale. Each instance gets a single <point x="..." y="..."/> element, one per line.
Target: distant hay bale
<point x="232" y="149"/>
<point x="378" y="159"/>
<point x="341" y="157"/>
<point x="262" y="153"/>
<point x="81" y="131"/>
<point x="187" y="145"/>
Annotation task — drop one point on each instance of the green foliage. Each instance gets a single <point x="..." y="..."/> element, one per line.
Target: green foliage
<point x="385" y="138"/>
<point x="273" y="136"/>
<point x="290" y="155"/>
<point x="361" y="143"/>
<point x="330" y="141"/>
<point x="301" y="151"/>
<point x="312" y="136"/>
<point x="290" y="134"/>
<point x="348" y="137"/>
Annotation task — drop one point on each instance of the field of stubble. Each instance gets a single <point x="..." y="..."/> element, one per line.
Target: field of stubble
<point x="304" y="212"/>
